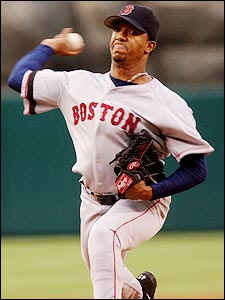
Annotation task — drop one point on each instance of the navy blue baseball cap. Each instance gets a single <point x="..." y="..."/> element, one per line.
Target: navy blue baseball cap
<point x="141" y="17"/>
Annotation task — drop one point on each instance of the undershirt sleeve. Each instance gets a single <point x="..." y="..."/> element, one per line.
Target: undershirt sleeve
<point x="33" y="60"/>
<point x="192" y="171"/>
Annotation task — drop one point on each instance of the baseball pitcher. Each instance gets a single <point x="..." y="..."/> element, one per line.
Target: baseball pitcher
<point x="123" y="124"/>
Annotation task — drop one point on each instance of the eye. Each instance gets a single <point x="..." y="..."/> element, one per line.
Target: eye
<point x="116" y="27"/>
<point x="134" y="31"/>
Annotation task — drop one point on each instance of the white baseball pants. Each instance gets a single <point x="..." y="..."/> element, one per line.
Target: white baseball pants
<point x="108" y="232"/>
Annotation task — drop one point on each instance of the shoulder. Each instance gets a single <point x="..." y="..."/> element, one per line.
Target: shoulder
<point x="82" y="76"/>
<point x="71" y="74"/>
<point x="170" y="98"/>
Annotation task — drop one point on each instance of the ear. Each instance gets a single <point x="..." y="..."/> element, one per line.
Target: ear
<point x="150" y="46"/>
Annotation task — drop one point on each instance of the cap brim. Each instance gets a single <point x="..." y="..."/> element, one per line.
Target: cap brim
<point x="113" y="20"/>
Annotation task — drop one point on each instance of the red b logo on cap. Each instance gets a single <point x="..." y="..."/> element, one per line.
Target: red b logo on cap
<point x="127" y="10"/>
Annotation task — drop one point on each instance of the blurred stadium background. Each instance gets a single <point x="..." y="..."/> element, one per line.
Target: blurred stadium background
<point x="40" y="195"/>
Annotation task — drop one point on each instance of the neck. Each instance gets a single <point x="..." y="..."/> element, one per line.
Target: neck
<point x="126" y="73"/>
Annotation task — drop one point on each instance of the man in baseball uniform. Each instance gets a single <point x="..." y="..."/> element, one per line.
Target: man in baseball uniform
<point x="99" y="110"/>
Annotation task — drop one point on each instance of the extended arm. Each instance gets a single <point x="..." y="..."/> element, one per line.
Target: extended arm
<point x="36" y="58"/>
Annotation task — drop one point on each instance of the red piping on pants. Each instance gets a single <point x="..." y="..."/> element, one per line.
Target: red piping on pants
<point x="114" y="235"/>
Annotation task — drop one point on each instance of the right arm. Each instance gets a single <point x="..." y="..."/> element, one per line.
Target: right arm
<point x="36" y="58"/>
<point x="22" y="76"/>
<point x="33" y="61"/>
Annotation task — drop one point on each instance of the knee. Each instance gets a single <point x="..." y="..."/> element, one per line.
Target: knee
<point x="100" y="234"/>
<point x="102" y="237"/>
<point x="102" y="246"/>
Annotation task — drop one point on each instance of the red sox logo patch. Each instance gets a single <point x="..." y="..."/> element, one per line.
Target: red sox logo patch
<point x="127" y="10"/>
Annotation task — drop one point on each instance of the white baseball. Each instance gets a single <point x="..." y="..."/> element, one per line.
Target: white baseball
<point x="75" y="41"/>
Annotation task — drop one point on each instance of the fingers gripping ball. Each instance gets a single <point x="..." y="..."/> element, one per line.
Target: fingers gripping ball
<point x="75" y="41"/>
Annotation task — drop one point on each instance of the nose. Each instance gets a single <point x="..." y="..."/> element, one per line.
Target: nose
<point x="121" y="35"/>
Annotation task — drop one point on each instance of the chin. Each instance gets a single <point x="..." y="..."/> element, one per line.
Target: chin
<point x="118" y="58"/>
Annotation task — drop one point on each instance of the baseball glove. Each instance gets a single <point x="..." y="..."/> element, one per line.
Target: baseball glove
<point x="140" y="160"/>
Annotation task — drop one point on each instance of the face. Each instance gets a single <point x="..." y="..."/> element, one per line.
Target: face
<point x="129" y="45"/>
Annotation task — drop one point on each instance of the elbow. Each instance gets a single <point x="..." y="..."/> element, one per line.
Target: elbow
<point x="201" y="180"/>
<point x="201" y="171"/>
<point x="202" y="175"/>
<point x="10" y="81"/>
<point x="13" y="83"/>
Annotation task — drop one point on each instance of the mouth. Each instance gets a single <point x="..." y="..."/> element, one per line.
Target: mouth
<point x="118" y="46"/>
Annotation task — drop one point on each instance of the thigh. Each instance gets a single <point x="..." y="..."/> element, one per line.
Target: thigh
<point x="134" y="221"/>
<point x="90" y="212"/>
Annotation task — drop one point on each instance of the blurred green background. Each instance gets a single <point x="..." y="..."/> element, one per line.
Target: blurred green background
<point x="40" y="195"/>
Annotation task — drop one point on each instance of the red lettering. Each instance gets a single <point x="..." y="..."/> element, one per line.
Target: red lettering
<point x="75" y="114"/>
<point x="91" y="110"/>
<point x="83" y="111"/>
<point x="131" y="123"/>
<point x="106" y="108"/>
<point x="117" y="116"/>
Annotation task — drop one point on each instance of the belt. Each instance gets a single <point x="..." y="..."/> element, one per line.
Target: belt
<point x="100" y="198"/>
<point x="105" y="199"/>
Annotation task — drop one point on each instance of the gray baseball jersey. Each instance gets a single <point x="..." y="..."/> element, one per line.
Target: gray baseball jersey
<point x="98" y="116"/>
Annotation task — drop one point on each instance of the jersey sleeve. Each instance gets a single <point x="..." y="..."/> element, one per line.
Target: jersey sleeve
<point x="41" y="91"/>
<point x="181" y="133"/>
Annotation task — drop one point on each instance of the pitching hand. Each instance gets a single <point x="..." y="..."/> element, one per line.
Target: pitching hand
<point x="59" y="43"/>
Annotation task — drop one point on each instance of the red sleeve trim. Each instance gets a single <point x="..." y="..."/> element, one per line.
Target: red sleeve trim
<point x="26" y="86"/>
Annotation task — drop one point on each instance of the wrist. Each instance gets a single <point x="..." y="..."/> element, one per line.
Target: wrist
<point x="50" y="43"/>
<point x="147" y="193"/>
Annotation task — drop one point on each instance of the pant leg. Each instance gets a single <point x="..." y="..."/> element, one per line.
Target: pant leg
<point x="108" y="273"/>
<point x="123" y="227"/>
<point x="90" y="212"/>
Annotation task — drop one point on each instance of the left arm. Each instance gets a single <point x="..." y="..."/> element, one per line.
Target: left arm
<point x="186" y="145"/>
<point x="192" y="171"/>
